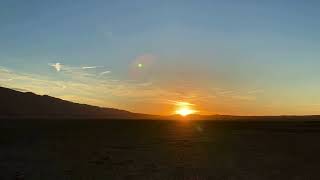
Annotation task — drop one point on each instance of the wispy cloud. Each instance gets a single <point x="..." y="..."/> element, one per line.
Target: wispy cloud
<point x="56" y="66"/>
<point x="91" y="67"/>
<point x="180" y="103"/>
<point x="4" y="69"/>
<point x="146" y="84"/>
<point x="105" y="72"/>
<point x="6" y="80"/>
<point x="85" y="84"/>
<point x="79" y="71"/>
<point x="108" y="92"/>
<point x="59" y="66"/>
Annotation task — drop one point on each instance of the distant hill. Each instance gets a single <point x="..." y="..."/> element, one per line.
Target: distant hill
<point x="16" y="104"/>
<point x="218" y="117"/>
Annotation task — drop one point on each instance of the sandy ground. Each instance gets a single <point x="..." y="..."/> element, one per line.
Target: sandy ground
<point x="159" y="150"/>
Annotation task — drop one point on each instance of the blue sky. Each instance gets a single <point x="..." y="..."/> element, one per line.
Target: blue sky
<point x="225" y="56"/>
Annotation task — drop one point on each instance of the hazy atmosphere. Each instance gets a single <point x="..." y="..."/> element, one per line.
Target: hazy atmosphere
<point x="220" y="56"/>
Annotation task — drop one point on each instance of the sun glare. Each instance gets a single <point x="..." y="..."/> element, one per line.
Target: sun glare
<point x="184" y="109"/>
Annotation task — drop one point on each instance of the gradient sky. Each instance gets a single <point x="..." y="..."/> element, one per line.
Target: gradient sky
<point x="247" y="57"/>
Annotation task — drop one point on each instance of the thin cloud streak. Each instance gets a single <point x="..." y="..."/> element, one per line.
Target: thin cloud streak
<point x="105" y="72"/>
<point x="81" y="86"/>
<point x="91" y="67"/>
<point x="56" y="66"/>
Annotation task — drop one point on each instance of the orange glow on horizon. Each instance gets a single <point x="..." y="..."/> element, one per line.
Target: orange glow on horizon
<point x="184" y="109"/>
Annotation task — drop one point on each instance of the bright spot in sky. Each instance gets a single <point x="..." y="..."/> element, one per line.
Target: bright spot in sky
<point x="57" y="66"/>
<point x="140" y="65"/>
<point x="184" y="109"/>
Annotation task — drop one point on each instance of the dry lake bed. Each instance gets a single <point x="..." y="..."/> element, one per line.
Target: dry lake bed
<point x="158" y="150"/>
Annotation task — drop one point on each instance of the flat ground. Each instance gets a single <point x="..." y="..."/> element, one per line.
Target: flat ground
<point x="162" y="150"/>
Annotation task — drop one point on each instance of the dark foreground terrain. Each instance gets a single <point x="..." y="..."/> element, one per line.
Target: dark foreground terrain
<point x="162" y="150"/>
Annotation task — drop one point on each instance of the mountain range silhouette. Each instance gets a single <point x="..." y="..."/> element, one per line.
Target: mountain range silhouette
<point x="17" y="104"/>
<point x="20" y="104"/>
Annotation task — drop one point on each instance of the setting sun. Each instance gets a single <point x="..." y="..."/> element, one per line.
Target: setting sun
<point x="184" y="109"/>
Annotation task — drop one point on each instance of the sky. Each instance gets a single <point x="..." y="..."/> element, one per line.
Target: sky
<point x="248" y="57"/>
